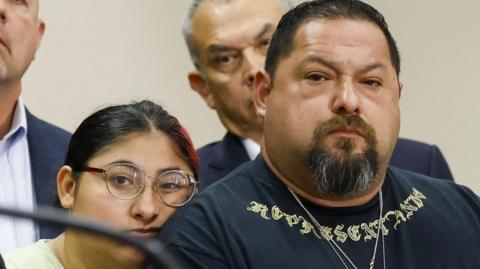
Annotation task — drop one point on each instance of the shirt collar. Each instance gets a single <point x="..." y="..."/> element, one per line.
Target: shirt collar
<point x="19" y="121"/>
<point x="251" y="147"/>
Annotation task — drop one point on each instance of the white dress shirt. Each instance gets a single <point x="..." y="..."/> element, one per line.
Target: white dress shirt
<point x="252" y="148"/>
<point x="16" y="188"/>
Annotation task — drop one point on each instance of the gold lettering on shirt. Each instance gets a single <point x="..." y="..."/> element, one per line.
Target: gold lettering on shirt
<point x="369" y="232"/>
<point x="341" y="232"/>
<point x="384" y="229"/>
<point x="417" y="198"/>
<point x="258" y="208"/>
<point x="341" y="235"/>
<point x="307" y="227"/>
<point x="276" y="213"/>
<point x="292" y="219"/>
<point x="354" y="232"/>
<point x="408" y="208"/>
<point x="326" y="233"/>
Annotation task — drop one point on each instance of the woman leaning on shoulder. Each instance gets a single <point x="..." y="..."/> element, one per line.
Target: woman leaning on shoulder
<point x="130" y="166"/>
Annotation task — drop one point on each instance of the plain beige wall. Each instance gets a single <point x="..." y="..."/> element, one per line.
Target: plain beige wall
<point x="96" y="53"/>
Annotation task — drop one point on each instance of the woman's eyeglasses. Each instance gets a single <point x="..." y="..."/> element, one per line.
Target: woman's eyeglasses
<point x="125" y="181"/>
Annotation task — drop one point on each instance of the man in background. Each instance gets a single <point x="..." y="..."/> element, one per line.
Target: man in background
<point x="31" y="150"/>
<point x="227" y="41"/>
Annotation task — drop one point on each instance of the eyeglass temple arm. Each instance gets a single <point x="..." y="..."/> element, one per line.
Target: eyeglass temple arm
<point x="93" y="169"/>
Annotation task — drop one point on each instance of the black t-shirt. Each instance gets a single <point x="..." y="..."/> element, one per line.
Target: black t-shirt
<point x="250" y="220"/>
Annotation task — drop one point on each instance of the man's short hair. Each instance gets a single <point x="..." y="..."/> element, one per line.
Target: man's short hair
<point x="187" y="23"/>
<point x="282" y="41"/>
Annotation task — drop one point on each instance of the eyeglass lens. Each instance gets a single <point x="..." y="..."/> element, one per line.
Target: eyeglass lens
<point x="125" y="182"/>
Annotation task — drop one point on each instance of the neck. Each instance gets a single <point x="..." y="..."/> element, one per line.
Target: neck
<point x="8" y="100"/>
<point x="323" y="200"/>
<point x="68" y="253"/>
<point x="253" y="131"/>
<point x="304" y="189"/>
<point x="255" y="136"/>
<point x="80" y="250"/>
<point x="57" y="246"/>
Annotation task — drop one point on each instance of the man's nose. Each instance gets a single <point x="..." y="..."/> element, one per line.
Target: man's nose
<point x="346" y="100"/>
<point x="253" y="62"/>
<point x="3" y="11"/>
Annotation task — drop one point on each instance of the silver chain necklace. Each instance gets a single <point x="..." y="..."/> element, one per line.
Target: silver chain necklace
<point x="336" y="248"/>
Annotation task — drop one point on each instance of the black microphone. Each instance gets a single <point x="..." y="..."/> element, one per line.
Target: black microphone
<point x="53" y="216"/>
<point x="2" y="263"/>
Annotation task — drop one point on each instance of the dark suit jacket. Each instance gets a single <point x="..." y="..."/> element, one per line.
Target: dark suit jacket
<point x="47" y="145"/>
<point x="220" y="158"/>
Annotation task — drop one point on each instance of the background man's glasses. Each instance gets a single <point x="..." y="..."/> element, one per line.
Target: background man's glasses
<point x="125" y="181"/>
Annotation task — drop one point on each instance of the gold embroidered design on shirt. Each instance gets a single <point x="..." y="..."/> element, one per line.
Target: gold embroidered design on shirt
<point x="341" y="233"/>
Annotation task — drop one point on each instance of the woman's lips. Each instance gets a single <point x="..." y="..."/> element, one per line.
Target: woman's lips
<point x="144" y="233"/>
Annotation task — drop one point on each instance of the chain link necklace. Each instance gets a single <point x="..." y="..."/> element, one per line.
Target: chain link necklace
<point x="336" y="248"/>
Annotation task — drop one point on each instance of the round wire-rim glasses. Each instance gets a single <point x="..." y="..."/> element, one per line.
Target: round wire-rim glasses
<point x="126" y="181"/>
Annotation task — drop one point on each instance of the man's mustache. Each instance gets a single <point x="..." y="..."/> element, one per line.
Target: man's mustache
<point x="351" y="123"/>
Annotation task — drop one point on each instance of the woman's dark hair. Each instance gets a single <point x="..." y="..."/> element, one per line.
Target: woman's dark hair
<point x="112" y="124"/>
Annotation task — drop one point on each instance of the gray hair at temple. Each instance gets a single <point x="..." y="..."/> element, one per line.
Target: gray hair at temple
<point x="187" y="23"/>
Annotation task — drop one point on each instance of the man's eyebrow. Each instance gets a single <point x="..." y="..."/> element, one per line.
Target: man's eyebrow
<point x="332" y="65"/>
<point x="373" y="66"/>
<point x="319" y="60"/>
<point x="268" y="27"/>
<point x="215" y="48"/>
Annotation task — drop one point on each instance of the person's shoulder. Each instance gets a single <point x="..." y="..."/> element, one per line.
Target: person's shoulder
<point x="37" y="255"/>
<point x="409" y="178"/>
<point x="420" y="157"/>
<point x="221" y="196"/>
<point x="36" y="124"/>
<point x="232" y="185"/>
<point x="413" y="143"/>
<point x="200" y="225"/>
<point x="208" y="148"/>
<point x="442" y="189"/>
<point x="412" y="149"/>
<point x="223" y="200"/>
<point x="229" y="142"/>
<point x="217" y="159"/>
<point x="243" y="180"/>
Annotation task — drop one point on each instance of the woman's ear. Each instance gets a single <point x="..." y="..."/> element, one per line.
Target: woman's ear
<point x="66" y="187"/>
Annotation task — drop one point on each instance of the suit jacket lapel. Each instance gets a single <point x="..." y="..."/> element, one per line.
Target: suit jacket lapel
<point x="41" y="162"/>
<point x="46" y="157"/>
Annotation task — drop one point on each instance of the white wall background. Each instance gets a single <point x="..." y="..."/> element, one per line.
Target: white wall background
<point x="96" y="53"/>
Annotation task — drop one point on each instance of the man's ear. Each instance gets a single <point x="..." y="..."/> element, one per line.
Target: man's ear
<point x="263" y="87"/>
<point x="66" y="187"/>
<point x="200" y="85"/>
<point x="41" y="31"/>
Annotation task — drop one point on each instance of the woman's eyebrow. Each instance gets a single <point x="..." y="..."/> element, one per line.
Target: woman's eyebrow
<point x="121" y="161"/>
<point x="170" y="168"/>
